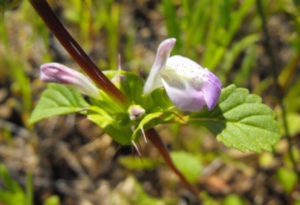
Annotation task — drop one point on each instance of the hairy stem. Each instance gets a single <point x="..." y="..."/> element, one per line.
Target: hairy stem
<point x="279" y="91"/>
<point x="74" y="49"/>
<point x="154" y="137"/>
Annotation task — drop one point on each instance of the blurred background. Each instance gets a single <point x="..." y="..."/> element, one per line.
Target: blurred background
<point x="69" y="160"/>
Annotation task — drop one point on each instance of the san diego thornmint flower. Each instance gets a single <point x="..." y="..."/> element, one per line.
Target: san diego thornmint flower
<point x="189" y="86"/>
<point x="58" y="73"/>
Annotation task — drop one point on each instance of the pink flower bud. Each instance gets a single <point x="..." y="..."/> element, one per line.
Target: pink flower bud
<point x="135" y="111"/>
<point x="58" y="73"/>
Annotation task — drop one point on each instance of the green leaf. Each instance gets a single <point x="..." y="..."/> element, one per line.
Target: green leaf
<point x="293" y="121"/>
<point x="129" y="83"/>
<point x="233" y="199"/>
<point x="115" y="120"/>
<point x="57" y="100"/>
<point x="208" y="200"/>
<point x="287" y="178"/>
<point x="137" y="163"/>
<point x="14" y="194"/>
<point x="240" y="120"/>
<point x="266" y="160"/>
<point x="9" y="4"/>
<point x="292" y="101"/>
<point x="141" y="197"/>
<point x="29" y="189"/>
<point x="9" y="198"/>
<point x="157" y="101"/>
<point x="9" y="182"/>
<point x="248" y="62"/>
<point x="155" y="118"/>
<point x="297" y="4"/>
<point x="132" y="86"/>
<point x="234" y="53"/>
<point x="154" y="104"/>
<point x="6" y="197"/>
<point x="171" y="19"/>
<point x="296" y="202"/>
<point x="52" y="200"/>
<point x="188" y="164"/>
<point x="115" y="125"/>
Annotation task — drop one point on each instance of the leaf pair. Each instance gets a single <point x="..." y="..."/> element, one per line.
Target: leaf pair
<point x="112" y="117"/>
<point x="239" y="120"/>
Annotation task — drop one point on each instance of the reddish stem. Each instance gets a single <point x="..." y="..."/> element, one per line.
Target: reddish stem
<point x="154" y="137"/>
<point x="74" y="49"/>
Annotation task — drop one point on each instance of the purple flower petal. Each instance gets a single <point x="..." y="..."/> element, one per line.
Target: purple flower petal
<point x="187" y="99"/>
<point x="58" y="73"/>
<point x="211" y="89"/>
<point x="189" y="86"/>
<point x="162" y="54"/>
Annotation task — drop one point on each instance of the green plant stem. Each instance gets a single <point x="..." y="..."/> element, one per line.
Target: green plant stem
<point x="29" y="189"/>
<point x="75" y="50"/>
<point x="279" y="91"/>
<point x="154" y="137"/>
<point x="292" y="72"/>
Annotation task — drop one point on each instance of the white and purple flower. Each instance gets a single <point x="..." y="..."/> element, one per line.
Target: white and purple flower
<point x="58" y="73"/>
<point x="189" y="86"/>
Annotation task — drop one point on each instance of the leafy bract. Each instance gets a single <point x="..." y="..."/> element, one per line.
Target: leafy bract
<point x="57" y="100"/>
<point x="132" y="86"/>
<point x="115" y="120"/>
<point x="240" y="120"/>
<point x="116" y="125"/>
<point x="155" y="118"/>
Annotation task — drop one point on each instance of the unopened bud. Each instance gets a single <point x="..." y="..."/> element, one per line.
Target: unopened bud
<point x="135" y="111"/>
<point x="58" y="73"/>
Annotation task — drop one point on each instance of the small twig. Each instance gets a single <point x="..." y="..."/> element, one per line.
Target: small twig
<point x="279" y="91"/>
<point x="153" y="136"/>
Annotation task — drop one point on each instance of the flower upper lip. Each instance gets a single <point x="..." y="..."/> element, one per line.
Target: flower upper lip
<point x="162" y="54"/>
